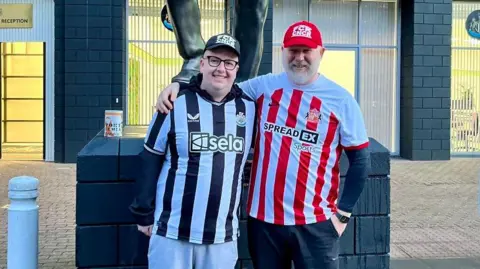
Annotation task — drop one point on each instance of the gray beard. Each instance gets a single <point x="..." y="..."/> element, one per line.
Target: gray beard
<point x="303" y="77"/>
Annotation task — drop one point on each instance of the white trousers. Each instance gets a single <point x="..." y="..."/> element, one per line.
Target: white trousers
<point x="169" y="253"/>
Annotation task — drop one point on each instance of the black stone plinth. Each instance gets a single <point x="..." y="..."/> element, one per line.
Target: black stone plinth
<point x="106" y="236"/>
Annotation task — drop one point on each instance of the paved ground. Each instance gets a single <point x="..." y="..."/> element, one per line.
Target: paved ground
<point x="434" y="216"/>
<point x="56" y="205"/>
<point x="435" y="209"/>
<point x="453" y="263"/>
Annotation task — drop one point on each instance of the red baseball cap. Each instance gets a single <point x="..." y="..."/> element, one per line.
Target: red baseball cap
<point x="302" y="33"/>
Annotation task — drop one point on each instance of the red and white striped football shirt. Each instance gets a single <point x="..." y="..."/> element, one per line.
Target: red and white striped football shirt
<point x="300" y="136"/>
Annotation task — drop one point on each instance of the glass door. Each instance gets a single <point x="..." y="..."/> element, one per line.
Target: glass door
<point x="22" y="100"/>
<point x="340" y="65"/>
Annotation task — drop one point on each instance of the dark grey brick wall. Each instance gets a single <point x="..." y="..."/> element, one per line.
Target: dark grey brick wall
<point x="90" y="70"/>
<point x="425" y="79"/>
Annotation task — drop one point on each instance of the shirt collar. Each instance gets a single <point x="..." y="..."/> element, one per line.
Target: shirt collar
<point x="195" y="85"/>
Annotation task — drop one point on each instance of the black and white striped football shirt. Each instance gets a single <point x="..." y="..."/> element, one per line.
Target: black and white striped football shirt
<point x="206" y="145"/>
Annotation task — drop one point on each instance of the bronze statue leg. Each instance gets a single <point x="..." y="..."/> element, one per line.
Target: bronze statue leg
<point x="185" y="18"/>
<point x="250" y="19"/>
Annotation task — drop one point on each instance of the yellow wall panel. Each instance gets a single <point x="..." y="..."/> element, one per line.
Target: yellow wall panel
<point x="18" y="132"/>
<point x="23" y="65"/>
<point x="24" y="110"/>
<point x="24" y="88"/>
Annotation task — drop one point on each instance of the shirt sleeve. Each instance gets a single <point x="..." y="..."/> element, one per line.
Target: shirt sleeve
<point x="157" y="133"/>
<point x="353" y="134"/>
<point x="253" y="87"/>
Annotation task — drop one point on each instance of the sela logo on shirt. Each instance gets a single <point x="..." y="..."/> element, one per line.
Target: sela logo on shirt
<point x="302" y="135"/>
<point x="303" y="31"/>
<point x="205" y="142"/>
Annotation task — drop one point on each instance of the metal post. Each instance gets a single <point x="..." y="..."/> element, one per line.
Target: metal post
<point x="22" y="250"/>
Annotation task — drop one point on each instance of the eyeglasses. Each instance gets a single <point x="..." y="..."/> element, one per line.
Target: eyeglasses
<point x="214" y="61"/>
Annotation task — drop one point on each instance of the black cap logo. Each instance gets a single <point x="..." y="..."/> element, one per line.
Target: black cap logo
<point x="227" y="40"/>
<point x="223" y="40"/>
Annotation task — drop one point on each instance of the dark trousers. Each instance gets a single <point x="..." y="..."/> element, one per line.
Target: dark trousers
<point x="310" y="246"/>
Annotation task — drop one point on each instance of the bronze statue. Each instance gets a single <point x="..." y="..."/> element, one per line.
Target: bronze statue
<point x="250" y="16"/>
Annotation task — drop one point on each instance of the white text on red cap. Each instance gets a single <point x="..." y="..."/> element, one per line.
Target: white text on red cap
<point x="302" y="30"/>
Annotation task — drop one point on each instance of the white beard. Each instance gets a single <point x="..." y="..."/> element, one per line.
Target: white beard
<point x="302" y="77"/>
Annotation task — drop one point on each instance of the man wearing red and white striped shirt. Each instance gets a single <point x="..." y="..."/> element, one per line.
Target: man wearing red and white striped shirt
<point x="305" y="121"/>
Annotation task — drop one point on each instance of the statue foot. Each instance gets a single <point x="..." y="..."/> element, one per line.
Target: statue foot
<point x="190" y="68"/>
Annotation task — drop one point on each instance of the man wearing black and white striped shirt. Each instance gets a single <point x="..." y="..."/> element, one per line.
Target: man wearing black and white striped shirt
<point x="188" y="197"/>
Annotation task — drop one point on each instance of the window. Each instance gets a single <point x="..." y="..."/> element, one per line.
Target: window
<point x="362" y="54"/>
<point x="153" y="57"/>
<point x="465" y="82"/>
<point x="22" y="100"/>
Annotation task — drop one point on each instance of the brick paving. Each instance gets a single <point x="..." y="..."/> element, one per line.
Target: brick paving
<point x="56" y="211"/>
<point x="434" y="210"/>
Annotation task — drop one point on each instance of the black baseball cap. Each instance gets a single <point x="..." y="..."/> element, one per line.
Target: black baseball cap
<point x="223" y="40"/>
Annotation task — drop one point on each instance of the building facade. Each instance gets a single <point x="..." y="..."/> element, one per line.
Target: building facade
<point x="411" y="64"/>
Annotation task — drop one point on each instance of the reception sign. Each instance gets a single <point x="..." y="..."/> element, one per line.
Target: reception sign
<point x="16" y="16"/>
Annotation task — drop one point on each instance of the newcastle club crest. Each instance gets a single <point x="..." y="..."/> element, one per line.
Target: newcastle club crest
<point x="472" y="24"/>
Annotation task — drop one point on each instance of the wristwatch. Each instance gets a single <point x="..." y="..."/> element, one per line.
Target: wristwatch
<point x="342" y="218"/>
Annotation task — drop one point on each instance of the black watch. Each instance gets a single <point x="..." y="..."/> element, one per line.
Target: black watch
<point x="342" y="218"/>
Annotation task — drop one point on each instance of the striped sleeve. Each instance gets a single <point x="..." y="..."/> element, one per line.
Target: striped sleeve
<point x="157" y="133"/>
<point x="353" y="134"/>
<point x="254" y="87"/>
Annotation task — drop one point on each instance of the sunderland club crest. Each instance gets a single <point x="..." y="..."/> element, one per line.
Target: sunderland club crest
<point x="313" y="115"/>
